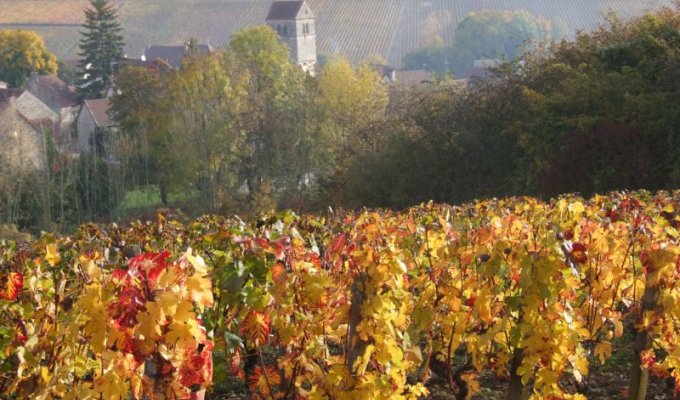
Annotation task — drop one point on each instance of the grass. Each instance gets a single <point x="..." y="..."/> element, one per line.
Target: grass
<point x="147" y="198"/>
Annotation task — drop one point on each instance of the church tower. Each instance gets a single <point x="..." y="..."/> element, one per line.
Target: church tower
<point x="293" y="21"/>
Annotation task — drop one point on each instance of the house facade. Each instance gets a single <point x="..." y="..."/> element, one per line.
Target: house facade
<point x="293" y="21"/>
<point x="58" y="97"/>
<point x="172" y="55"/>
<point x="93" y="118"/>
<point x="22" y="141"/>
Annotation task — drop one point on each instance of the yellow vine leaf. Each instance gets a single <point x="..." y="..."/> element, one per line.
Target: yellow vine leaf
<point x="184" y="333"/>
<point x="149" y="321"/>
<point x="580" y="365"/>
<point x="603" y="350"/>
<point x="53" y="257"/>
<point x="184" y="311"/>
<point x="199" y="285"/>
<point x="200" y="291"/>
<point x="111" y="385"/>
<point x="362" y="361"/>
<point x="473" y="384"/>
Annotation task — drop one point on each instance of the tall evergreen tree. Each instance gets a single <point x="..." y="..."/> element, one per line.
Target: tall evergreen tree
<point x="101" y="48"/>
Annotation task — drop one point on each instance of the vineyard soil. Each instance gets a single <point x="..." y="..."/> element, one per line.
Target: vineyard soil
<point x="607" y="383"/>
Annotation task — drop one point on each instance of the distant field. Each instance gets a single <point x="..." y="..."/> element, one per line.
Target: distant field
<point x="354" y="28"/>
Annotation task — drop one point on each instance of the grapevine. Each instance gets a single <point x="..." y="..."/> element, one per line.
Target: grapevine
<point x="370" y="305"/>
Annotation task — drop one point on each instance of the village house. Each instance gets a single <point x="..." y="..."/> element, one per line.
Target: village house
<point x="293" y="21"/>
<point x="480" y="69"/>
<point x="157" y="64"/>
<point x="172" y="55"/>
<point x="22" y="140"/>
<point x="93" y="119"/>
<point x="32" y="108"/>
<point x="404" y="79"/>
<point x="61" y="99"/>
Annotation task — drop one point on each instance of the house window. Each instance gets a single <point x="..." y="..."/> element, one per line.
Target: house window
<point x="285" y="30"/>
<point x="278" y="29"/>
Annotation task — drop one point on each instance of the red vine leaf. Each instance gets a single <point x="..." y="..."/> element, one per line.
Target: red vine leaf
<point x="10" y="285"/>
<point x="256" y="327"/>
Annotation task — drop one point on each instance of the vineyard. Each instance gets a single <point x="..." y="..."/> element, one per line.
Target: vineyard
<point x="371" y="305"/>
<point x="354" y="28"/>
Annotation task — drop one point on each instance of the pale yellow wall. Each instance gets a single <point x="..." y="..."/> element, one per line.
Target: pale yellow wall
<point x="22" y="147"/>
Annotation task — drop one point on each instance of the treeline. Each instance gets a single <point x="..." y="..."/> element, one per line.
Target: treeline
<point x="591" y="115"/>
<point x="244" y="130"/>
<point x="488" y="34"/>
<point x="64" y="192"/>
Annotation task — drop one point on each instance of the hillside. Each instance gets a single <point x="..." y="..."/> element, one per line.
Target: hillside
<point x="354" y="28"/>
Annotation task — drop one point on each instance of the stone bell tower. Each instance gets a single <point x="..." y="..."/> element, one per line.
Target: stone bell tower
<point x="293" y="21"/>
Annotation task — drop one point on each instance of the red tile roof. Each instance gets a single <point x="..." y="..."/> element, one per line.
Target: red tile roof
<point x="51" y="90"/>
<point x="99" y="109"/>
<point x="413" y="77"/>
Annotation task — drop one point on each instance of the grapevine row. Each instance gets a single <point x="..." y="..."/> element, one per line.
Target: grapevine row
<point x="368" y="305"/>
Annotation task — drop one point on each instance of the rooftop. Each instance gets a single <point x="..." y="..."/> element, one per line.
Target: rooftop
<point x="6" y="94"/>
<point x="413" y="77"/>
<point x="284" y="10"/>
<point x="51" y="90"/>
<point x="173" y="55"/>
<point x="99" y="108"/>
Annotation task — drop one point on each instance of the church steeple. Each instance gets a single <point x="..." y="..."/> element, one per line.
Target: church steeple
<point x="294" y="23"/>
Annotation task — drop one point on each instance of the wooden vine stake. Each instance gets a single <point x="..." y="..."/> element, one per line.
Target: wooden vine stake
<point x="356" y="347"/>
<point x="516" y="387"/>
<point x="639" y="374"/>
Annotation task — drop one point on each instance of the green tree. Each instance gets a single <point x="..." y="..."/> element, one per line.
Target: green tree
<point x="433" y="57"/>
<point x="350" y="101"/>
<point x="204" y="140"/>
<point x="140" y="109"/>
<point x="68" y="73"/>
<point x="21" y="54"/>
<point x="485" y="34"/>
<point x="275" y="118"/>
<point x="101" y="48"/>
<point x="593" y="103"/>
<point x="267" y="60"/>
<point x="496" y="34"/>
<point x="444" y="143"/>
